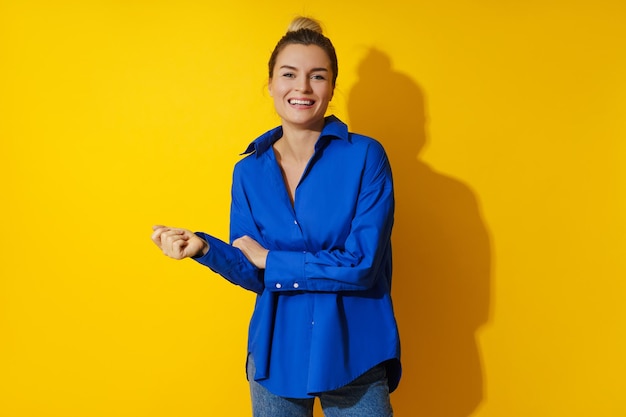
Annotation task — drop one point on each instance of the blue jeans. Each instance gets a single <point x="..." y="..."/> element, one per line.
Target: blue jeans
<point x="366" y="396"/>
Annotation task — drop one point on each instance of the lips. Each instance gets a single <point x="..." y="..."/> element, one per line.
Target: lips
<point x="300" y="102"/>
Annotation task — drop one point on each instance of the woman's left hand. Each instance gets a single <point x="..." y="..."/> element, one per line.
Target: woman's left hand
<point x="255" y="253"/>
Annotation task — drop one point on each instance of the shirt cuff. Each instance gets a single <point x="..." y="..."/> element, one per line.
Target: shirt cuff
<point x="217" y="257"/>
<point x="284" y="271"/>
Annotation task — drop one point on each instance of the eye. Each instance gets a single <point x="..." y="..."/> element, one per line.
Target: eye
<point x="289" y="75"/>
<point x="318" y="77"/>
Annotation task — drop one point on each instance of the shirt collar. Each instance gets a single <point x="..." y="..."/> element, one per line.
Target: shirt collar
<point x="333" y="127"/>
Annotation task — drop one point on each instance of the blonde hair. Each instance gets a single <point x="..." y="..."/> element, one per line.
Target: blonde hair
<point x="302" y="22"/>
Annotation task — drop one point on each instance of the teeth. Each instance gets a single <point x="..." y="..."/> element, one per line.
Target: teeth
<point x="303" y="102"/>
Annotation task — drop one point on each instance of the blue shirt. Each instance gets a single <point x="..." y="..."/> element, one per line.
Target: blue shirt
<point x="323" y="314"/>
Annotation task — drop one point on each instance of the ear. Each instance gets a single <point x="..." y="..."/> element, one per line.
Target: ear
<point x="269" y="87"/>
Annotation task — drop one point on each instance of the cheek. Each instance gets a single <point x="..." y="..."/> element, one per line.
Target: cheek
<point x="276" y="90"/>
<point x="328" y="93"/>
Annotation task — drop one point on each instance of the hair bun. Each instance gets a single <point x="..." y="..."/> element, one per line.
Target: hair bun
<point x="301" y="22"/>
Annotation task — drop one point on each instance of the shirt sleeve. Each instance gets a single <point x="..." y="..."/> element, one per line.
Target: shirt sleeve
<point x="225" y="259"/>
<point x="355" y="266"/>
<point x="231" y="263"/>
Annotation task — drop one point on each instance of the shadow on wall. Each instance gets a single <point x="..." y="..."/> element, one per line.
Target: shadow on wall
<point x="442" y="254"/>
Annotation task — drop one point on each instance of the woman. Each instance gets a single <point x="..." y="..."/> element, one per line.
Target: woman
<point x="311" y="219"/>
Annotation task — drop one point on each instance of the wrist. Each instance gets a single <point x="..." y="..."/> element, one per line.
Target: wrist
<point x="263" y="262"/>
<point x="205" y="247"/>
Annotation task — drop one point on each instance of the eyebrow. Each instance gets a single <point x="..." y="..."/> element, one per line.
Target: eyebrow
<point x="296" y="69"/>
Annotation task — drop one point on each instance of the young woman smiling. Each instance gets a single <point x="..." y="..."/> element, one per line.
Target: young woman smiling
<point x="311" y="220"/>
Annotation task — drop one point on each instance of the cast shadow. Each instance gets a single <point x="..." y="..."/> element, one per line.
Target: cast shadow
<point x="441" y="247"/>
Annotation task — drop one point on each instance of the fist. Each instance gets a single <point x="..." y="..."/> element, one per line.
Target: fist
<point x="178" y="243"/>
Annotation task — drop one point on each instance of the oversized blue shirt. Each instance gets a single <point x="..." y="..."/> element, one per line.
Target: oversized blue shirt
<point x="323" y="314"/>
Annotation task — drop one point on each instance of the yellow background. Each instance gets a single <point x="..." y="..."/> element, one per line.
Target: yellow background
<point x="506" y="125"/>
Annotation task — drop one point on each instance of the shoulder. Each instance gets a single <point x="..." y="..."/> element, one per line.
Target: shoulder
<point x="372" y="149"/>
<point x="248" y="164"/>
<point x="361" y="140"/>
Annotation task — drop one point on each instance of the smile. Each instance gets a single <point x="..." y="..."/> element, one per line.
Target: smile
<point x="300" y="102"/>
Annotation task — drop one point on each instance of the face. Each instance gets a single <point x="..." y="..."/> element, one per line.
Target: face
<point x="301" y="86"/>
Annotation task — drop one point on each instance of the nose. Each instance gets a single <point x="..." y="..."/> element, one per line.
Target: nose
<point x="304" y="84"/>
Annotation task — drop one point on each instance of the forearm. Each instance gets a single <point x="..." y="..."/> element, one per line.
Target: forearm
<point x="230" y="263"/>
<point x="330" y="270"/>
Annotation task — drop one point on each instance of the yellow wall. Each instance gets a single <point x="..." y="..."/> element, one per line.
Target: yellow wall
<point x="506" y="126"/>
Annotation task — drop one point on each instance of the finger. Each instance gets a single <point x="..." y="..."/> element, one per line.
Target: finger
<point x="163" y="236"/>
<point x="179" y="245"/>
<point x="174" y="232"/>
<point x="241" y="241"/>
<point x="159" y="229"/>
<point x="156" y="235"/>
<point x="170" y="237"/>
<point x="172" y="247"/>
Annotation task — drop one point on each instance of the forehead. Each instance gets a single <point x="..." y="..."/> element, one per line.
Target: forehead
<point x="303" y="56"/>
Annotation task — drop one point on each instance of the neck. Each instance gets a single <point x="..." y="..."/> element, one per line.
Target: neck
<point x="297" y="144"/>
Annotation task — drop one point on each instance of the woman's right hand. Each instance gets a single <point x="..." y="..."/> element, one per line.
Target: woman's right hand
<point x="178" y="243"/>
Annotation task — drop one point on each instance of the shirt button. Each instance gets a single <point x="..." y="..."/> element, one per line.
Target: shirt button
<point x="295" y="222"/>
<point x="296" y="285"/>
<point x="278" y="285"/>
